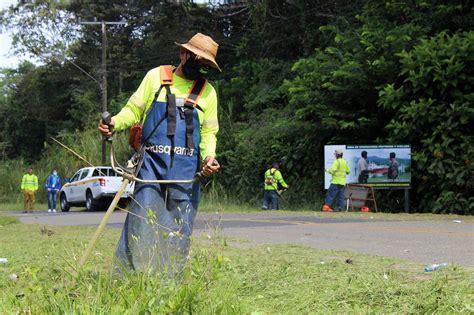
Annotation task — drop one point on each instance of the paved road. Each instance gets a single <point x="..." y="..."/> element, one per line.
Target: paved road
<point x="422" y="241"/>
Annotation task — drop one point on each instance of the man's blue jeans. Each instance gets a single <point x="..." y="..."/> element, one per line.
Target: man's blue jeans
<point x="333" y="191"/>
<point x="52" y="199"/>
<point x="270" y="197"/>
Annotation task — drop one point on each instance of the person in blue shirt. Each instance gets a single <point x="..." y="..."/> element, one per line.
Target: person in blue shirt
<point x="53" y="185"/>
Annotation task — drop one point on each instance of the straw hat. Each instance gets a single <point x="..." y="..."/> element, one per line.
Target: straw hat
<point x="204" y="47"/>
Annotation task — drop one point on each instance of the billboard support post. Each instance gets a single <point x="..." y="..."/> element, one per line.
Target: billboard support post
<point x="407" y="200"/>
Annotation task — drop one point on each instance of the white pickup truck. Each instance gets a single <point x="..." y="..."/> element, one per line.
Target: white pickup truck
<point x="93" y="187"/>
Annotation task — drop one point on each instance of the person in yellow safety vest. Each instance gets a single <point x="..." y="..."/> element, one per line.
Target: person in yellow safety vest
<point x="339" y="170"/>
<point x="29" y="186"/>
<point x="273" y="178"/>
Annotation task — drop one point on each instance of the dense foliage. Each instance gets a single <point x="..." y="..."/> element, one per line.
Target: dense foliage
<point x="433" y="111"/>
<point x="297" y="75"/>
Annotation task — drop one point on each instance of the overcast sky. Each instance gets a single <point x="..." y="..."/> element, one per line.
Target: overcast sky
<point x="6" y="60"/>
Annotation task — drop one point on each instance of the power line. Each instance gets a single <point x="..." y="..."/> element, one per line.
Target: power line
<point x="165" y="55"/>
<point x="224" y="40"/>
<point x="83" y="71"/>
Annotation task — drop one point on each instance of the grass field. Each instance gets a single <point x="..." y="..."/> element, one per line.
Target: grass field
<point x="223" y="277"/>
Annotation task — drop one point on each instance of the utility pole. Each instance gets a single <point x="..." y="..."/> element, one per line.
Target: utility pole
<point x="103" y="85"/>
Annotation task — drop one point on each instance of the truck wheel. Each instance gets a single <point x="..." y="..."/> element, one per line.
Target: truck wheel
<point x="91" y="203"/>
<point x="124" y="202"/>
<point x="65" y="206"/>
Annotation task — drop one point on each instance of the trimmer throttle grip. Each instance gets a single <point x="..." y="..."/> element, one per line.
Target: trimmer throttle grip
<point x="106" y="119"/>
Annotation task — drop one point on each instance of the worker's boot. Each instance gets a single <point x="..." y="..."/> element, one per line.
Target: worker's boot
<point x="327" y="208"/>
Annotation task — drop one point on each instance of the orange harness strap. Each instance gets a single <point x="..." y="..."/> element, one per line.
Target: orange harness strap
<point x="195" y="93"/>
<point x="166" y="75"/>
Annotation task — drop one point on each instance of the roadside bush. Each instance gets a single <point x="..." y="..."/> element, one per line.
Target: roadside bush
<point x="433" y="111"/>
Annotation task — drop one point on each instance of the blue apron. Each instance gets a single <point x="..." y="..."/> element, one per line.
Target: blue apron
<point x="156" y="234"/>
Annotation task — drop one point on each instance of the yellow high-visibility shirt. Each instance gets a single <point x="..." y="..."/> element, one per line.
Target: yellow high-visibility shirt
<point x="29" y="182"/>
<point x="139" y="103"/>
<point x="339" y="169"/>
<point x="276" y="178"/>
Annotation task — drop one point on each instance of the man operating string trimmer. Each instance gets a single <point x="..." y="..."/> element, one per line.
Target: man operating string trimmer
<point x="178" y="109"/>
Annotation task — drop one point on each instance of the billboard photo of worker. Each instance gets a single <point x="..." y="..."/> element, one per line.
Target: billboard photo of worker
<point x="381" y="166"/>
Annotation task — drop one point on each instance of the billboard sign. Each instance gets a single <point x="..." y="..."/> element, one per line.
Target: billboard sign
<point x="381" y="166"/>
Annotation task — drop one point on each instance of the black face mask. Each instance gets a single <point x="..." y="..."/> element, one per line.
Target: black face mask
<point x="193" y="70"/>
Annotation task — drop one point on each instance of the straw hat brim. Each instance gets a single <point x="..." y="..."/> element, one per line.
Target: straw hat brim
<point x="201" y="53"/>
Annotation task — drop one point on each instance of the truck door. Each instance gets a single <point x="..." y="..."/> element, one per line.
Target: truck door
<point x="80" y="189"/>
<point x="71" y="189"/>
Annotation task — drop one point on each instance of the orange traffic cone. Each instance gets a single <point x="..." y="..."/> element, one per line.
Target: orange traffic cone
<point x="327" y="208"/>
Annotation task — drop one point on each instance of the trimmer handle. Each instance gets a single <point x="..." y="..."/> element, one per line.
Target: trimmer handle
<point x="106" y="119"/>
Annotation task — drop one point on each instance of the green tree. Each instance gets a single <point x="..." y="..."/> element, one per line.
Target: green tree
<point x="335" y="92"/>
<point x="37" y="106"/>
<point x="434" y="113"/>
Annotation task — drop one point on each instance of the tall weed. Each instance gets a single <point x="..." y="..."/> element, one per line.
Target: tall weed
<point x="49" y="281"/>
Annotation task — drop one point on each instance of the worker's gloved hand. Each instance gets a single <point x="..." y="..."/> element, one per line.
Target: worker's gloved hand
<point x="106" y="130"/>
<point x="209" y="166"/>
